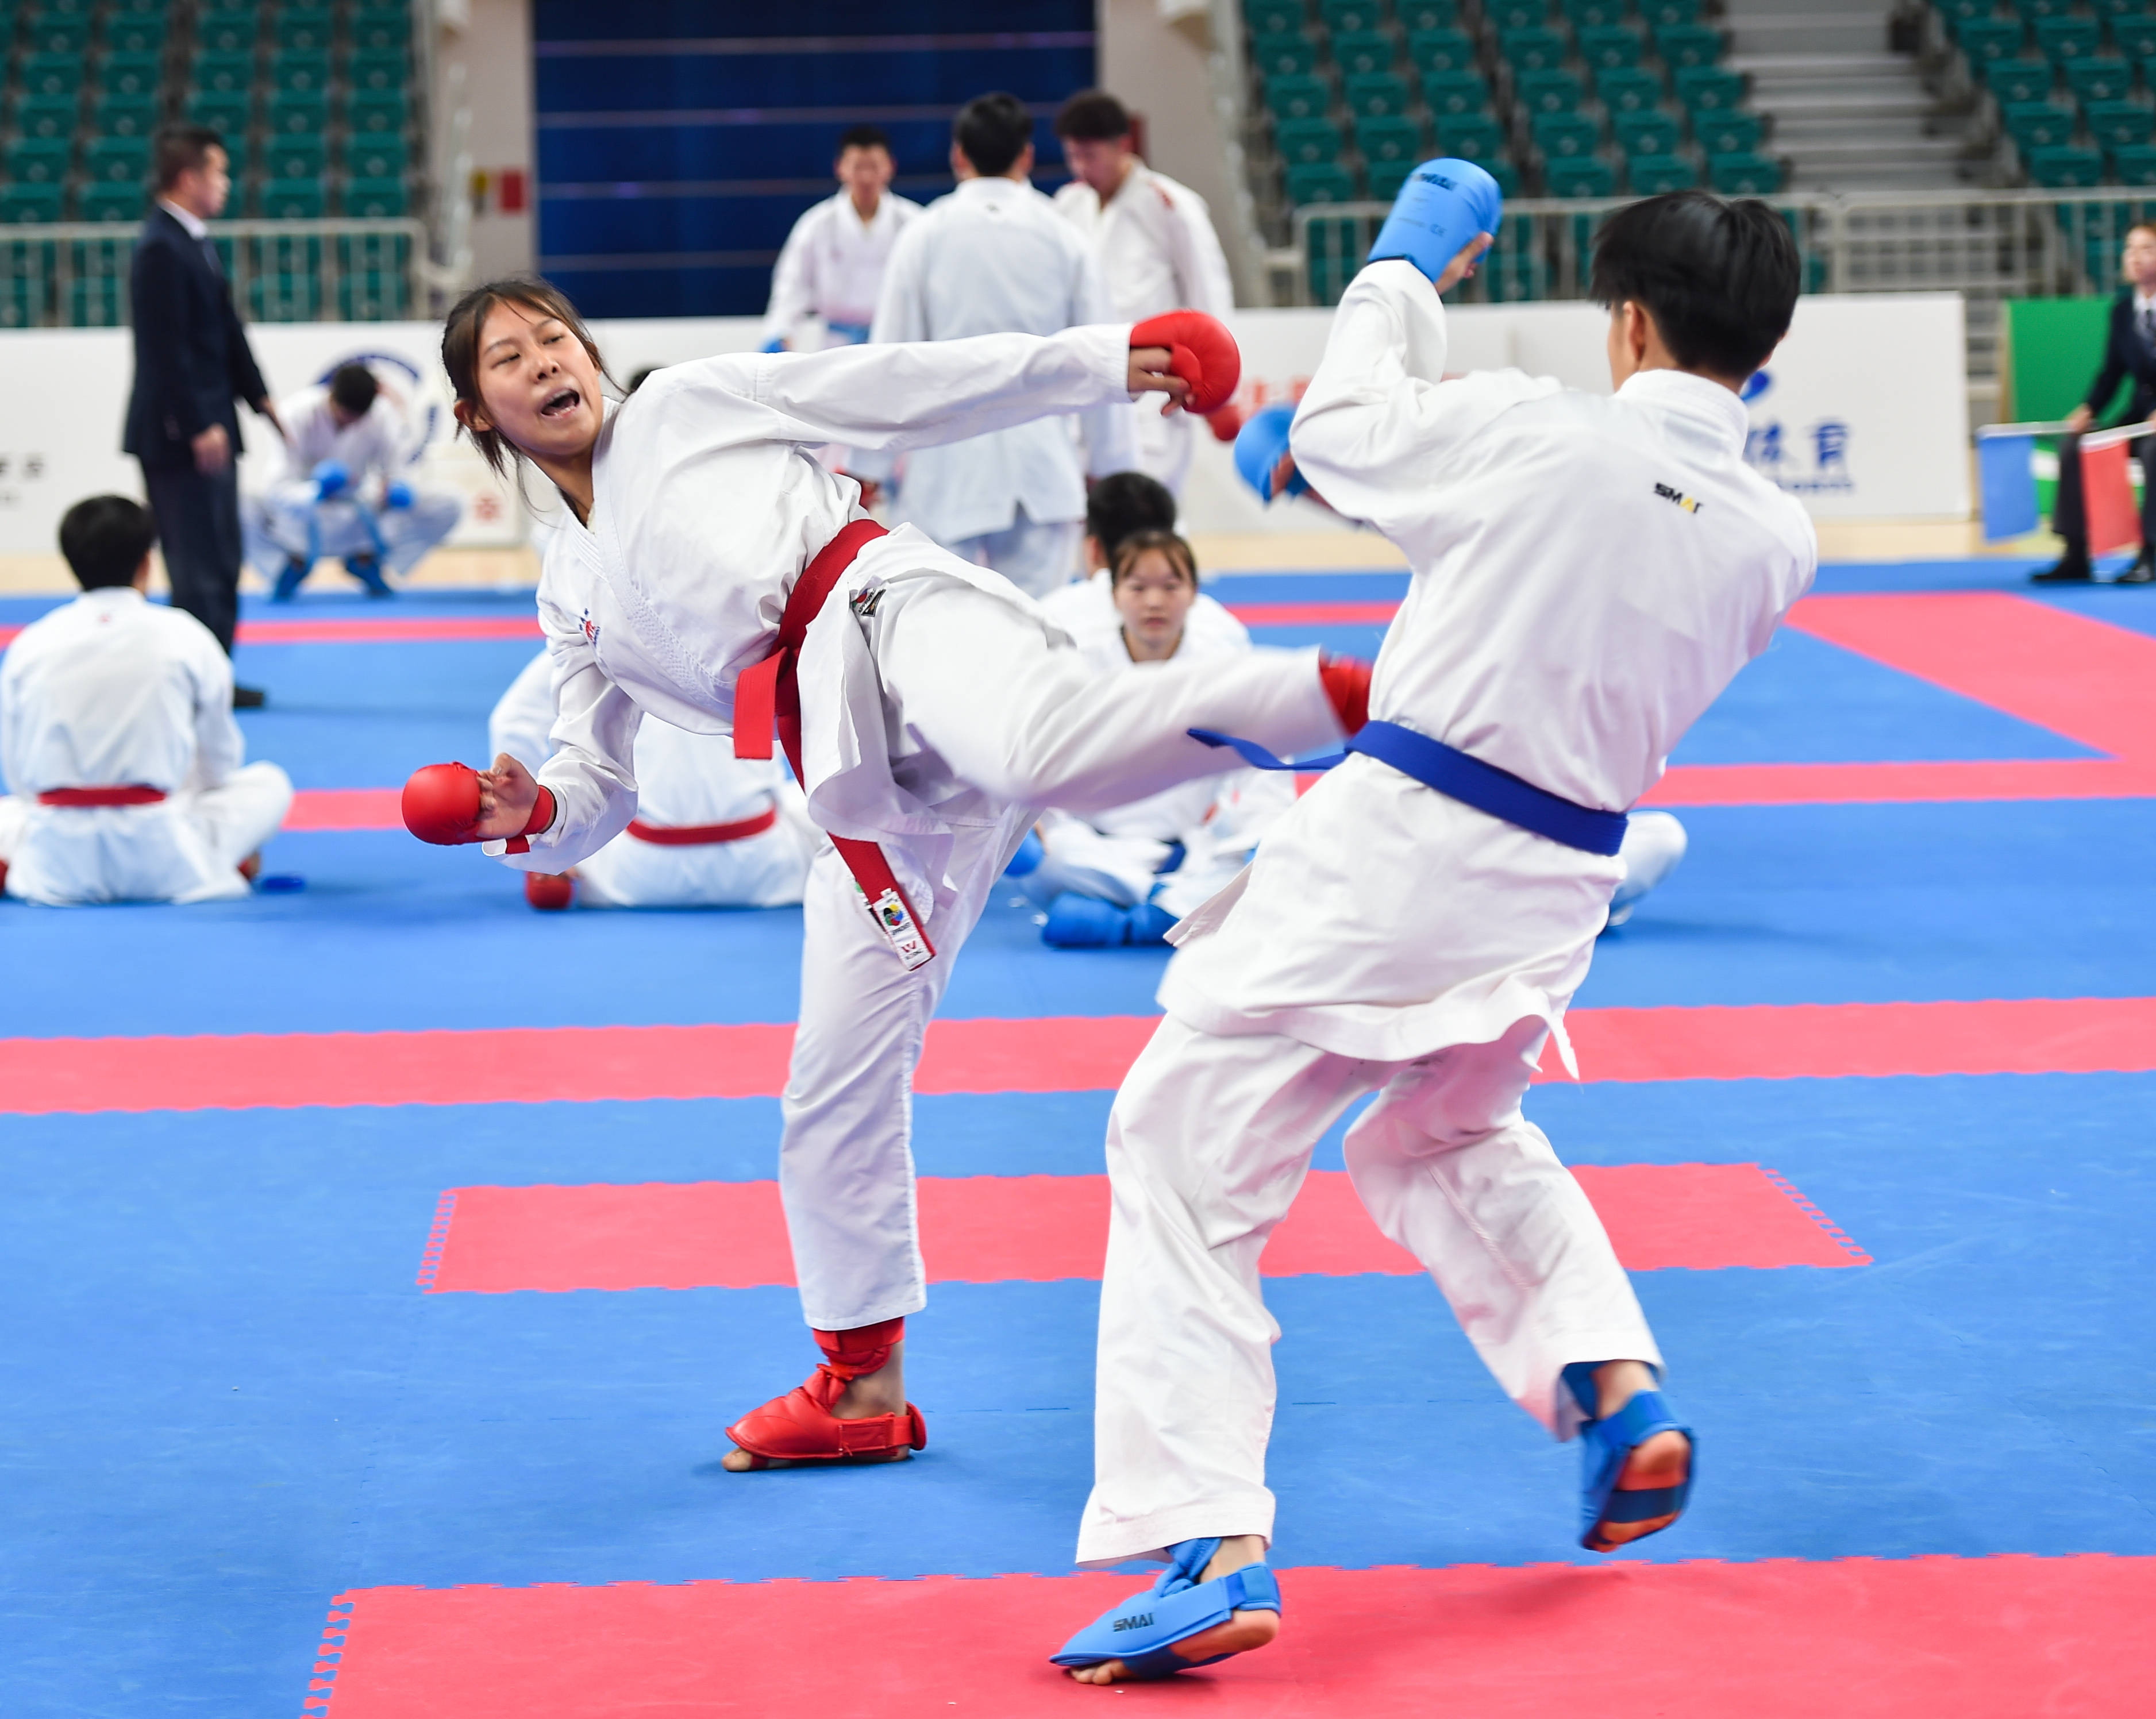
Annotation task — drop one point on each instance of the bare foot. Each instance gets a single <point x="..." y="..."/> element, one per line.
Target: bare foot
<point x="882" y="1392"/>
<point x="1240" y="1634"/>
<point x="1663" y="1461"/>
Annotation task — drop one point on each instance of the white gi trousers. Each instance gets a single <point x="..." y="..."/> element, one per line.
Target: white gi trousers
<point x="1208" y="1144"/>
<point x="974" y="693"/>
<point x="1037" y="555"/>
<point x="187" y="848"/>
<point x="277" y="528"/>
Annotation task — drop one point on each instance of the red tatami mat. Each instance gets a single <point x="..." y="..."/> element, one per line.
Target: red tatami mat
<point x="1925" y="1638"/>
<point x="1074" y="1053"/>
<point x="1041" y="1228"/>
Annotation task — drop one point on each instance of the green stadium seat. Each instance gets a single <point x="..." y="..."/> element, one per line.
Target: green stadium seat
<point x="1640" y="134"/>
<point x="117" y="8"/>
<point x="2065" y="167"/>
<point x="2117" y="125"/>
<point x="2134" y="37"/>
<point x="1355" y="51"/>
<point x="1657" y="13"/>
<point x="1416" y="16"/>
<point x="391" y="68"/>
<point x="1277" y="56"/>
<point x="22" y="205"/>
<point x="1474" y="137"/>
<point x="1306" y="143"/>
<point x="1628" y="89"/>
<point x="2134" y="164"/>
<point x="229" y="112"/>
<point x="1750" y="174"/>
<point x="1448" y="93"/>
<point x="1985" y="40"/>
<point x="1298" y="95"/>
<point x="228" y="30"/>
<point x="1682" y="45"/>
<point x="2038" y="125"/>
<point x="380" y="27"/>
<point x="290" y="200"/>
<point x="96" y="300"/>
<point x="1547" y="92"/>
<point x="373" y="295"/>
<point x="222" y="72"/>
<point x="1444" y="50"/>
<point x="2034" y="10"/>
<point x="111" y="202"/>
<point x="293" y="112"/>
<point x="1533" y="48"/>
<point x="117" y="161"/>
<point x="50" y="32"/>
<point x="132" y="75"/>
<point x="1609" y="46"/>
<point x="300" y="72"/>
<point x="1564" y="137"/>
<point x="299" y="156"/>
<point x="1275" y="18"/>
<point x="2100" y="80"/>
<point x="47" y="115"/>
<point x="1500" y="167"/>
<point x="126" y="115"/>
<point x="1385" y="178"/>
<point x="375" y="199"/>
<point x="284" y="296"/>
<point x="2020" y="80"/>
<point x="1320" y="181"/>
<point x="135" y="32"/>
<point x="1957" y="12"/>
<point x="2120" y="8"/>
<point x="1709" y="86"/>
<point x="1589" y="14"/>
<point x="1389" y="139"/>
<point x="1727" y="130"/>
<point x="1579" y="176"/>
<point x="306" y="28"/>
<point x="1351" y="17"/>
<point x="1372" y="95"/>
<point x="2066" y="38"/>
<point x="49" y="74"/>
<point x="39" y="161"/>
<point x="58" y="8"/>
<point x="1504" y="16"/>
<point x="1652" y="175"/>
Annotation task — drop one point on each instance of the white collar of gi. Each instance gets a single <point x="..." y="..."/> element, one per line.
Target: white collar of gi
<point x="1715" y="408"/>
<point x="993" y="188"/>
<point x="111" y="597"/>
<point x="196" y="227"/>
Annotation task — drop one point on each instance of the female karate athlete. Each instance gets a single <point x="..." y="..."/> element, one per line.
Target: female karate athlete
<point x="709" y="572"/>
<point x="1588" y="572"/>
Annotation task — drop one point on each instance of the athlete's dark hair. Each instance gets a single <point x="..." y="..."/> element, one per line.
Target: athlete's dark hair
<point x="179" y="149"/>
<point x="352" y="389"/>
<point x="460" y="332"/>
<point x="994" y="130"/>
<point x="1124" y="502"/>
<point x="1138" y="543"/>
<point x="1720" y="279"/>
<point x="1093" y="116"/>
<point x="865" y="137"/>
<point x="105" y="540"/>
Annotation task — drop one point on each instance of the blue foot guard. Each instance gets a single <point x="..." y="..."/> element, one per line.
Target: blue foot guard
<point x="1142" y="1631"/>
<point x="1606" y="1445"/>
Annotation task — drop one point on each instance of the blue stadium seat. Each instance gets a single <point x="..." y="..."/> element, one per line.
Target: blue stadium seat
<point x="1628" y="89"/>
<point x="1652" y="175"/>
<point x="1610" y="46"/>
<point x="1450" y="93"/>
<point x="1319" y="182"/>
<point x="1474" y="137"/>
<point x="1579" y="176"/>
<point x="2103" y="78"/>
<point x="2020" y="80"/>
<point x="1298" y="95"/>
<point x="1306" y="143"/>
<point x="2118" y="125"/>
<point x="1374" y="95"/>
<point x="1547" y="92"/>
<point x="2065" y="167"/>
<point x="1440" y="50"/>
<point x="1362" y="51"/>
<point x="1746" y="175"/>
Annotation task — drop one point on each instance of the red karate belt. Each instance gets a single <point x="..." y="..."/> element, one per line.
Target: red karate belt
<point x="133" y="795"/>
<point x="767" y="700"/>
<point x="702" y="835"/>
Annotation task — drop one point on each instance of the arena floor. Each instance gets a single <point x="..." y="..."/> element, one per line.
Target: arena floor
<point x="383" y="1260"/>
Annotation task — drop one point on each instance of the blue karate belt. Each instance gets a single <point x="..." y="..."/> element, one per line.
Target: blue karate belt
<point x="1453" y="774"/>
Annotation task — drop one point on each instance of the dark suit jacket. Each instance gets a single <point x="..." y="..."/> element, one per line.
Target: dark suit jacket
<point x="2125" y="354"/>
<point x="192" y="360"/>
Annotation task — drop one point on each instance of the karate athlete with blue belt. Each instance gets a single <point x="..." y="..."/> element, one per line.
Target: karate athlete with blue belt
<point x="1589" y="571"/>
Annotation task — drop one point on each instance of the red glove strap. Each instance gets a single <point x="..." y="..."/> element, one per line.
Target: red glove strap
<point x="541" y="819"/>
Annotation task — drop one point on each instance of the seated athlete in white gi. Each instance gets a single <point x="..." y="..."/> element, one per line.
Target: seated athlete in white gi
<point x="1124" y="875"/>
<point x="344" y="489"/>
<point x="125" y="781"/>
<point x="711" y="830"/>
<point x="712" y="573"/>
<point x="1588" y="572"/>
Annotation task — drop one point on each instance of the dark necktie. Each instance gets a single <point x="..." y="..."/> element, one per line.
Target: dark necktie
<point x="2148" y="326"/>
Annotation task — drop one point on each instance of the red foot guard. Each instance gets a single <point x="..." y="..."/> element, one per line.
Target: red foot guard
<point x="799" y="1427"/>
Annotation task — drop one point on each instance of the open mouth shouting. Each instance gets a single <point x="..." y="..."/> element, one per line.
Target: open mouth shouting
<point x="560" y="404"/>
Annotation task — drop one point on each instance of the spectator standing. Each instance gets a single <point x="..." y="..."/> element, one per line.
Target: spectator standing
<point x="824" y="285"/>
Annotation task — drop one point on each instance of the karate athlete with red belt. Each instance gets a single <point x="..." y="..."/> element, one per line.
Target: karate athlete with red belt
<point x="712" y="574"/>
<point x="1588" y="572"/>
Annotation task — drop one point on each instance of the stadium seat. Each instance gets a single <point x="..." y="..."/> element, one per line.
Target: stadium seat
<point x="1358" y="51"/>
<point x="375" y="199"/>
<point x="2033" y="10"/>
<point x="2038" y="125"/>
<point x="1548" y="92"/>
<point x="1440" y="50"/>
<point x="1654" y="13"/>
<point x="126" y="115"/>
<point x="1474" y="137"/>
<point x="1384" y="179"/>
<point x="1958" y="13"/>
<point x="1277" y="56"/>
<point x="135" y="32"/>
<point x="1610" y="46"/>
<point x="373" y="295"/>
<point x="228" y="112"/>
<point x="2134" y="37"/>
<point x="300" y="71"/>
<point x="20" y="205"/>
<point x="117" y="161"/>
<point x="227" y="30"/>
<point x="223" y="74"/>
<point x="2117" y="125"/>
<point x="2100" y="80"/>
<point x="1416" y="16"/>
<point x="39" y="161"/>
<point x="1306" y="143"/>
<point x="1701" y="87"/>
<point x="1682" y="45"/>
<point x="111" y="202"/>
<point x="49" y="74"/>
<point x="132" y="75"/>
<point x="298" y="155"/>
<point x="1506" y="16"/>
<point x="375" y="155"/>
<point x="283" y="295"/>
<point x="293" y="112"/>
<point x="47" y="115"/>
<point x="2134" y="164"/>
<point x="1985" y="40"/>
<point x="1373" y="95"/>
<point x="1590" y="14"/>
<point x="306" y="28"/>
<point x="1320" y="181"/>
<point x="1533" y="48"/>
<point x="1640" y="134"/>
<point x="2066" y="38"/>
<point x="380" y="27"/>
<point x="1727" y="132"/>
<point x="1579" y="176"/>
<point x="1351" y="17"/>
<point x="1388" y="138"/>
<point x="1652" y="175"/>
<point x="2020" y="80"/>
<point x="1298" y="95"/>
<point x="57" y="33"/>
<point x="391" y="68"/>
<point x="290" y="199"/>
<point x="2064" y="167"/>
<point x="1628" y="89"/>
<point x="1275" y="18"/>
<point x="1449" y="93"/>
<point x="1750" y="174"/>
<point x="1565" y="137"/>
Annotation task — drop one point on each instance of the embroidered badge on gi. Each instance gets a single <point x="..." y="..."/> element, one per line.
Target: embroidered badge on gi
<point x="591" y="630"/>
<point x="863" y="603"/>
<point x="894" y="921"/>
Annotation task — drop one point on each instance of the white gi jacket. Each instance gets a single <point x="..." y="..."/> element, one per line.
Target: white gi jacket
<point x="372" y="443"/>
<point x="1155" y="244"/>
<point x="707" y="507"/>
<point x="1589" y="573"/>
<point x="994" y="257"/>
<point x="830" y="270"/>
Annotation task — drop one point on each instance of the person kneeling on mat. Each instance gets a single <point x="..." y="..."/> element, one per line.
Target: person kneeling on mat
<point x="711" y="830"/>
<point x="117" y="737"/>
<point x="1124" y="875"/>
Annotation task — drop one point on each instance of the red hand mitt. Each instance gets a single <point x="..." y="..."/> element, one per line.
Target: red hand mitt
<point x="1346" y="683"/>
<point x="441" y="804"/>
<point x="1200" y="350"/>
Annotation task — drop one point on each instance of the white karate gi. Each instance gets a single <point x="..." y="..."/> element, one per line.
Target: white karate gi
<point x="994" y="257"/>
<point x="113" y="690"/>
<point x="939" y="711"/>
<point x="682" y="779"/>
<point x="824" y="285"/>
<point x="285" y="522"/>
<point x="1588" y="574"/>
<point x="1158" y="252"/>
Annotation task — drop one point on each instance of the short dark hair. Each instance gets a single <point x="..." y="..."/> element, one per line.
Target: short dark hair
<point x="1179" y="553"/>
<point x="180" y="149"/>
<point x="352" y="387"/>
<point x="105" y="540"/>
<point x="1720" y="279"/>
<point x="992" y="131"/>
<point x="1093" y="116"/>
<point x="865" y="137"/>
<point x="1124" y="502"/>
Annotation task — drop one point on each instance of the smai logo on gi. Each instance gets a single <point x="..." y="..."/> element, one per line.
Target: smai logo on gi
<point x="1805" y="459"/>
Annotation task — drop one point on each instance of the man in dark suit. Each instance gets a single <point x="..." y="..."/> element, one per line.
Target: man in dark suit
<point x="2129" y="349"/>
<point x="191" y="361"/>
